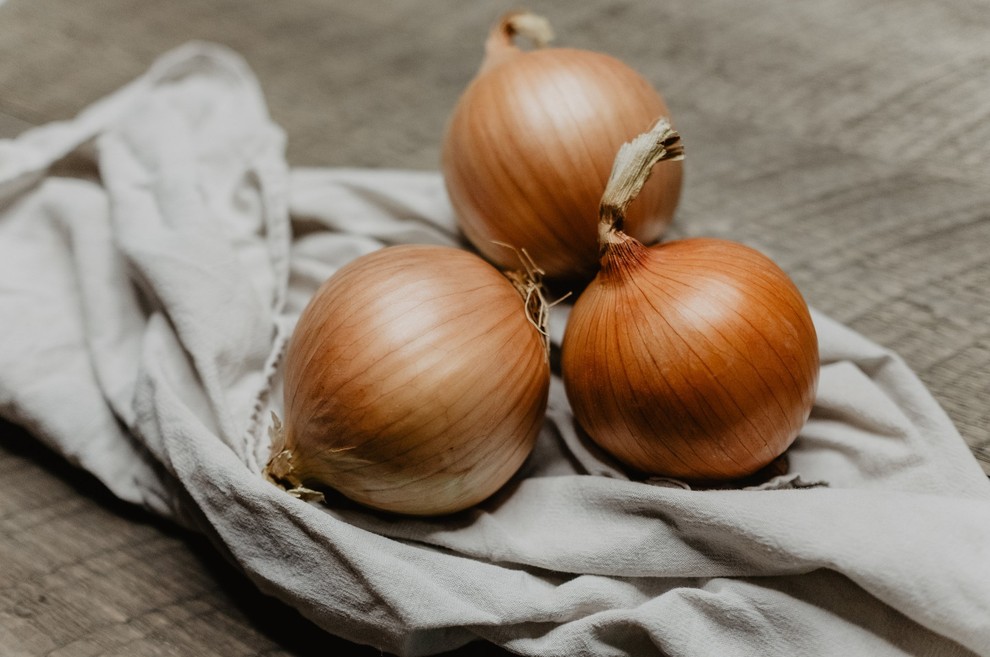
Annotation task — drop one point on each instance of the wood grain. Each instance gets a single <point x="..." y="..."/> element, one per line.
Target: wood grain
<point x="85" y="574"/>
<point x="848" y="140"/>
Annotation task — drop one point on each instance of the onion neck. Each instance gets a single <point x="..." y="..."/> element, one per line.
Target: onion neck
<point x="621" y="254"/>
<point x="500" y="45"/>
<point x="632" y="168"/>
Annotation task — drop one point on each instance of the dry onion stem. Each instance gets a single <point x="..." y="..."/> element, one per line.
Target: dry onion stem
<point x="530" y="143"/>
<point x="415" y="382"/>
<point x="694" y="359"/>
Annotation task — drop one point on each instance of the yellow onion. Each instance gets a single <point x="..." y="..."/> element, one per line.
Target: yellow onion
<point x="416" y="382"/>
<point x="695" y="358"/>
<point x="530" y="144"/>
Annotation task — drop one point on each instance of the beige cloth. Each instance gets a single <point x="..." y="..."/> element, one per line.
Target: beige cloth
<point x="143" y="313"/>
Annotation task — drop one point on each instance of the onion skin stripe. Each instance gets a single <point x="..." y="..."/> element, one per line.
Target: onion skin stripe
<point x="716" y="351"/>
<point x="743" y="318"/>
<point x="382" y="432"/>
<point x="415" y="382"/>
<point x="528" y="149"/>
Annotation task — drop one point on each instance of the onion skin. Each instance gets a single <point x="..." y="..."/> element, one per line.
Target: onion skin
<point x="414" y="382"/>
<point x="695" y="359"/>
<point x="529" y="147"/>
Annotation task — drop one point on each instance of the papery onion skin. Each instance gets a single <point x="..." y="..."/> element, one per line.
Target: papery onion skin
<point x="529" y="147"/>
<point x="695" y="359"/>
<point x="414" y="382"/>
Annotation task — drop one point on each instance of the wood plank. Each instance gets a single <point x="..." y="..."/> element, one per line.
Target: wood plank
<point x="11" y="126"/>
<point x="85" y="574"/>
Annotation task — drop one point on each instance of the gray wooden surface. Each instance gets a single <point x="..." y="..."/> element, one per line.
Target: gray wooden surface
<point x="850" y="140"/>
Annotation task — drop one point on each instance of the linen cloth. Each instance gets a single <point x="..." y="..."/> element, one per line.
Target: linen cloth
<point x="144" y="306"/>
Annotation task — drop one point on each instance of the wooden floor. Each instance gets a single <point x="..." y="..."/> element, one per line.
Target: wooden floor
<point x="850" y="140"/>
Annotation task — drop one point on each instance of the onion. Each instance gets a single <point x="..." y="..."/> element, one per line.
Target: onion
<point x="694" y="359"/>
<point x="529" y="146"/>
<point x="415" y="382"/>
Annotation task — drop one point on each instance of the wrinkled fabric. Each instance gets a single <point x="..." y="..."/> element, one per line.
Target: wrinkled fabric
<point x="145" y="303"/>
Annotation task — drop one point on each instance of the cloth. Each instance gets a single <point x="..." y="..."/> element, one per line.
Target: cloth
<point x="145" y="301"/>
